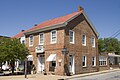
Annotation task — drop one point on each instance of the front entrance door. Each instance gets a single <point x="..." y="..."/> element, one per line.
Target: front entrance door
<point x="41" y="62"/>
<point x="71" y="65"/>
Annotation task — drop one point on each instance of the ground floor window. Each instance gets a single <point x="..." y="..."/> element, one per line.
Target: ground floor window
<point x="102" y="60"/>
<point x="84" y="61"/>
<point x="52" y="66"/>
<point x="93" y="61"/>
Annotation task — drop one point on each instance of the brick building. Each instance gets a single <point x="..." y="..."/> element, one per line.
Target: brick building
<point x="74" y="32"/>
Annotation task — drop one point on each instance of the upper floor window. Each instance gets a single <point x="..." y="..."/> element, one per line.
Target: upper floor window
<point x="53" y="36"/>
<point x="31" y="40"/>
<point x="84" y="61"/>
<point x="41" y="38"/>
<point x="23" y="41"/>
<point x="84" y="40"/>
<point x="93" y="41"/>
<point x="71" y="35"/>
<point x="93" y="61"/>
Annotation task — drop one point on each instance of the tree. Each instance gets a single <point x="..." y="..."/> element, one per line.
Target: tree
<point x="12" y="50"/>
<point x="2" y="53"/>
<point x="109" y="45"/>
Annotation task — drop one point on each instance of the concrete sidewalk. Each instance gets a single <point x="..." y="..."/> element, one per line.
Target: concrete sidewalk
<point x="52" y="77"/>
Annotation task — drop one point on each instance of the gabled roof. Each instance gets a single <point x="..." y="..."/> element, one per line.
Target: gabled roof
<point x="19" y="35"/>
<point x="59" y="22"/>
<point x="54" y="21"/>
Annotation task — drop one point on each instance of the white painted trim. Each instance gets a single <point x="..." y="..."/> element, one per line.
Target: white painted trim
<point x="47" y="28"/>
<point x="73" y="68"/>
<point x="90" y="23"/>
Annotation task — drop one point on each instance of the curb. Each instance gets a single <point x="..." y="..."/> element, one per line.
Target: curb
<point x="95" y="73"/>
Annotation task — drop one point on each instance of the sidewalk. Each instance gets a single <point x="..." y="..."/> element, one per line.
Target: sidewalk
<point x="52" y="77"/>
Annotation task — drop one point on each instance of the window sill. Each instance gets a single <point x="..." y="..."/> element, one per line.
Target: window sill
<point x="83" y="44"/>
<point x="84" y="66"/>
<point x="71" y="42"/>
<point x="53" y="43"/>
<point x="30" y="45"/>
<point x="93" y="66"/>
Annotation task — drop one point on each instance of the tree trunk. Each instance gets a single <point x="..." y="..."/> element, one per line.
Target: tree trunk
<point x="12" y="65"/>
<point x="0" y="66"/>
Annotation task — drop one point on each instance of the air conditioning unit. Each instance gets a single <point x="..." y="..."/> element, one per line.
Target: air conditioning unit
<point x="39" y="49"/>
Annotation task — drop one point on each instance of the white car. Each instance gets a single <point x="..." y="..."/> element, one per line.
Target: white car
<point x="4" y="67"/>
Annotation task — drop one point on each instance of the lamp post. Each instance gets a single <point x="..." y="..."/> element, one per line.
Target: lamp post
<point x="26" y="63"/>
<point x="65" y="52"/>
<point x="26" y="68"/>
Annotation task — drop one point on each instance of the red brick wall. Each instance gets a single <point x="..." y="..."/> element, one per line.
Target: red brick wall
<point x="79" y="25"/>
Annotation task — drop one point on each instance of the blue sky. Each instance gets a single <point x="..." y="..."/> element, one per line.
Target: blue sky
<point x="16" y="15"/>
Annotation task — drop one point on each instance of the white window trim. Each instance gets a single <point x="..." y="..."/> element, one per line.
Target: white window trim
<point x="85" y="61"/>
<point x="39" y="39"/>
<point x="29" y="41"/>
<point x="51" y="37"/>
<point x="73" y="36"/>
<point x="93" y="45"/>
<point x="85" y="40"/>
<point x="94" y="61"/>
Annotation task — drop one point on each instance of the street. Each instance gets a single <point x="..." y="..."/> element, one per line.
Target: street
<point x="105" y="76"/>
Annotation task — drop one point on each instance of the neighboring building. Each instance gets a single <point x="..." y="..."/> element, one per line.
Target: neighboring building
<point x="103" y="61"/>
<point x="5" y="64"/>
<point x="114" y="60"/>
<point x="20" y="64"/>
<point x="73" y="31"/>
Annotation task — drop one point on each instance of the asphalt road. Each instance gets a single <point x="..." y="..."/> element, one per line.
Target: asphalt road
<point x="105" y="76"/>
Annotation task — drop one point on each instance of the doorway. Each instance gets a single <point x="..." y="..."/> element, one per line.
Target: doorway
<point x="41" y="63"/>
<point x="71" y="64"/>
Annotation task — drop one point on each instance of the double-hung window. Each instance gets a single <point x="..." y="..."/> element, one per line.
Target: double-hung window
<point x="84" y="61"/>
<point x="31" y="40"/>
<point x="41" y="38"/>
<point x="71" y="35"/>
<point x="53" y="36"/>
<point x="84" y="40"/>
<point x="93" y="41"/>
<point x="93" y="61"/>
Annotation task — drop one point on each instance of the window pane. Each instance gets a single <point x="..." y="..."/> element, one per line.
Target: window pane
<point x="31" y="40"/>
<point x="53" y="36"/>
<point x="41" y="38"/>
<point x="84" y="39"/>
<point x="71" y="35"/>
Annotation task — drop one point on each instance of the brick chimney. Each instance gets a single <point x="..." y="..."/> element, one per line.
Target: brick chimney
<point x="22" y="30"/>
<point x="80" y="8"/>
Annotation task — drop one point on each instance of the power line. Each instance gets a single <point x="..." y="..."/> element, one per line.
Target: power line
<point x="116" y="34"/>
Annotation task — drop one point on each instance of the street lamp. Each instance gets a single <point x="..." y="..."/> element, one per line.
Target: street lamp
<point x="65" y="52"/>
<point x="25" y="67"/>
<point x="26" y="63"/>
